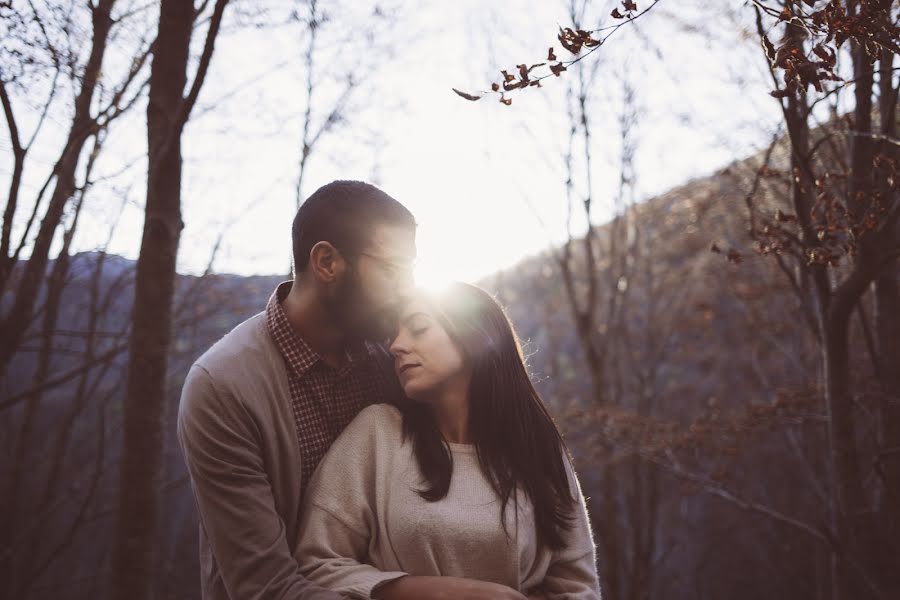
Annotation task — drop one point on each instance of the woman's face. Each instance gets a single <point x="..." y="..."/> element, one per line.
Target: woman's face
<point x="426" y="359"/>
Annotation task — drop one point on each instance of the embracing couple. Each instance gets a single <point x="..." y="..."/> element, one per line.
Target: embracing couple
<point x="361" y="438"/>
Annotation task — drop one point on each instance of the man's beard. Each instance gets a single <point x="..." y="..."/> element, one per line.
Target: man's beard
<point x="348" y="308"/>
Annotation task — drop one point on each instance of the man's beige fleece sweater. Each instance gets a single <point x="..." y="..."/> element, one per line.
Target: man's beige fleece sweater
<point x="364" y="524"/>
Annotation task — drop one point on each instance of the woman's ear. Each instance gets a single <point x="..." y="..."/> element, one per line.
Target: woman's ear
<point x="326" y="262"/>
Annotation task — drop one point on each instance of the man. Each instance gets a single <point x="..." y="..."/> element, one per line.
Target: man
<point x="262" y="406"/>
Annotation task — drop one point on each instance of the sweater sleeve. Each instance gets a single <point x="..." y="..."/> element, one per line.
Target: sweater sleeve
<point x="221" y="447"/>
<point x="572" y="574"/>
<point x="340" y="509"/>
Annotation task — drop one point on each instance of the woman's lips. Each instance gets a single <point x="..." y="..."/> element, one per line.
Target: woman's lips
<point x="404" y="368"/>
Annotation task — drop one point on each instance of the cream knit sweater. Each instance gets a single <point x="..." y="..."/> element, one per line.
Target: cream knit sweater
<point x="363" y="523"/>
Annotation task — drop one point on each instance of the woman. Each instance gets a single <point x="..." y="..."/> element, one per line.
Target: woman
<point x="468" y="478"/>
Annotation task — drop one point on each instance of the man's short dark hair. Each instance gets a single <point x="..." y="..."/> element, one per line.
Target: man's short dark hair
<point x="344" y="214"/>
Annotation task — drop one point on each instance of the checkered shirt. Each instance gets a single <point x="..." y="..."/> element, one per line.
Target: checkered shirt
<point x="324" y="399"/>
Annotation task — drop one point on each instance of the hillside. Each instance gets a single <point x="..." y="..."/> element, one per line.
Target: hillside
<point x="693" y="331"/>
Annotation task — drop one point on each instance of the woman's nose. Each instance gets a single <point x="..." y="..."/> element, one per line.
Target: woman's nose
<point x="397" y="347"/>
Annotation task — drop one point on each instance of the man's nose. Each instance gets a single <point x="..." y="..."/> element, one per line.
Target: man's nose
<point x="406" y="281"/>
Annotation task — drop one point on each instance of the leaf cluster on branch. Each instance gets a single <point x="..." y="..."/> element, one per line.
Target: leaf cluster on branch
<point x="811" y="60"/>
<point x="837" y="230"/>
<point x="572" y="39"/>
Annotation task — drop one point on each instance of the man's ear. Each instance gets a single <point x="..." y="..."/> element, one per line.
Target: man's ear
<point x="326" y="262"/>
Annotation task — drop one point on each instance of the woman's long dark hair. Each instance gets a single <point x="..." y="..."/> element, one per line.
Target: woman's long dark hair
<point x="517" y="442"/>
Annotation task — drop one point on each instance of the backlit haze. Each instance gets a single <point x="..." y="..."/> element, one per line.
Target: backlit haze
<point x="485" y="181"/>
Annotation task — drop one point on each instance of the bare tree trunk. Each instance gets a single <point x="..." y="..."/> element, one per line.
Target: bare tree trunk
<point x="853" y="519"/>
<point x="18" y="494"/>
<point x="887" y="306"/>
<point x="833" y="331"/>
<point x="842" y="445"/>
<point x="14" y="324"/>
<point x="858" y="556"/>
<point x="135" y="549"/>
<point x="56" y="284"/>
<point x="583" y="308"/>
<point x="136" y="541"/>
<point x="315" y="23"/>
<point x="887" y="326"/>
<point x="135" y="556"/>
<point x="15" y="183"/>
<point x="887" y="319"/>
<point x="16" y="321"/>
<point x="310" y="62"/>
<point x="857" y="537"/>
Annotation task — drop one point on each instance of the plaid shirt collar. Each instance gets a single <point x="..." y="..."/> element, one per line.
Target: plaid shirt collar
<point x="297" y="353"/>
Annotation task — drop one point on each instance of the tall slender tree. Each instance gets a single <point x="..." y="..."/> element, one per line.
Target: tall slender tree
<point x="135" y="545"/>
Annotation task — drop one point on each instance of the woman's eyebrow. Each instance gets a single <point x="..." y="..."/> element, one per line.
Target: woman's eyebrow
<point x="409" y="318"/>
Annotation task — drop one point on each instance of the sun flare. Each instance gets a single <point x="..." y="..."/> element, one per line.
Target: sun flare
<point x="434" y="273"/>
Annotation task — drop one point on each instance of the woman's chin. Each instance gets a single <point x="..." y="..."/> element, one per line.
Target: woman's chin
<point x="416" y="392"/>
<point x="412" y="394"/>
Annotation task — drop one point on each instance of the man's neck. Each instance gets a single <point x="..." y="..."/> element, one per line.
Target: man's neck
<point x="311" y="321"/>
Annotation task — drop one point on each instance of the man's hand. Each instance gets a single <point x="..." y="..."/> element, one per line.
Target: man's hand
<point x="444" y="588"/>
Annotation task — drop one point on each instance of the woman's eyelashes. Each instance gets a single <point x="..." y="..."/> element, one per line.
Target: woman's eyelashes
<point x="417" y="325"/>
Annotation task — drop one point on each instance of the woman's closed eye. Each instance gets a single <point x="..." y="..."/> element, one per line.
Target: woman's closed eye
<point x="416" y="324"/>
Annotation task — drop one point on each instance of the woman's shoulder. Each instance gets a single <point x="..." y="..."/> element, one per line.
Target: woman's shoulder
<point x="380" y="413"/>
<point x="375" y="425"/>
<point x="370" y="440"/>
<point x="378" y="418"/>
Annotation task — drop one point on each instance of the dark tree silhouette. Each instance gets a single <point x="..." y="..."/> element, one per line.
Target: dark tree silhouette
<point x="135" y="549"/>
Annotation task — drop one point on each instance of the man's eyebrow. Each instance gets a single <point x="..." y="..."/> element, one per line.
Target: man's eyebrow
<point x="398" y="257"/>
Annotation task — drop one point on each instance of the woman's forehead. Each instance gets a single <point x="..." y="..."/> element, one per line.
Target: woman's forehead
<point x="415" y="306"/>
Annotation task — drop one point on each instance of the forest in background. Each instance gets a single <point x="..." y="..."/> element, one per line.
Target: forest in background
<point x="722" y="358"/>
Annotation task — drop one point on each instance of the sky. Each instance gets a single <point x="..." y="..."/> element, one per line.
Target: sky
<point x="485" y="181"/>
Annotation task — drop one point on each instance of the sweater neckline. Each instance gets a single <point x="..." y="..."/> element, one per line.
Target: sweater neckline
<point x="461" y="448"/>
